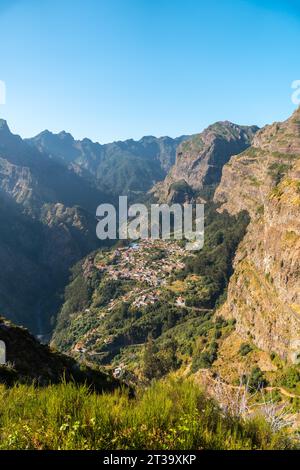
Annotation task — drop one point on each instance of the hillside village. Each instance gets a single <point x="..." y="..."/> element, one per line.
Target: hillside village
<point x="147" y="268"/>
<point x="150" y="263"/>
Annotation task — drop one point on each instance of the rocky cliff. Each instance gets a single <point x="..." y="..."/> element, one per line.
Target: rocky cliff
<point x="200" y="159"/>
<point x="264" y="291"/>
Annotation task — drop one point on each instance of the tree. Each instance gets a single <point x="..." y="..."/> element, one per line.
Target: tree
<point x="256" y="380"/>
<point x="151" y="367"/>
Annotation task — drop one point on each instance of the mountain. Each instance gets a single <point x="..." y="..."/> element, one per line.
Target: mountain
<point x="118" y="167"/>
<point x="155" y="289"/>
<point x="264" y="291"/>
<point x="234" y="306"/>
<point x="49" y="213"/>
<point x="50" y="187"/>
<point x="175" y="295"/>
<point x="28" y="361"/>
<point x="200" y="159"/>
<point x="150" y="308"/>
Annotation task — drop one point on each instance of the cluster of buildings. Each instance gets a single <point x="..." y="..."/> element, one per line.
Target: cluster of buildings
<point x="149" y="263"/>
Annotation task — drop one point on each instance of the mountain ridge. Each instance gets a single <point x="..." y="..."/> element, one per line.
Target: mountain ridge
<point x="110" y="165"/>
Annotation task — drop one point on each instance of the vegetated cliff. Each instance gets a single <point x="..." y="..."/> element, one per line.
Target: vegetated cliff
<point x="264" y="291"/>
<point x="200" y="159"/>
<point x="28" y="361"/>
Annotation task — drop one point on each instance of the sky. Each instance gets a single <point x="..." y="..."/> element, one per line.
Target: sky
<point x="118" y="69"/>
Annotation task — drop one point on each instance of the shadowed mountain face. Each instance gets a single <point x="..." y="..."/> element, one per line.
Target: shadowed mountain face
<point x="32" y="178"/>
<point x="28" y="361"/>
<point x="35" y="256"/>
<point x="48" y="223"/>
<point x="118" y="167"/>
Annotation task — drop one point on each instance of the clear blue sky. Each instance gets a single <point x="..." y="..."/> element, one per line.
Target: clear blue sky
<point x="116" y="69"/>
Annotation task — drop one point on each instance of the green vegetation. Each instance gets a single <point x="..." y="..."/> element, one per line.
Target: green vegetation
<point x="181" y="185"/>
<point x="29" y="361"/>
<point x="158" y="362"/>
<point x="193" y="144"/>
<point x="254" y="181"/>
<point x="278" y="170"/>
<point x="255" y="380"/>
<point x="289" y="378"/>
<point x="245" y="349"/>
<point x="205" y="358"/>
<point x="206" y="347"/>
<point x="214" y="262"/>
<point x="169" y="415"/>
<point x="99" y="309"/>
<point x="182" y="190"/>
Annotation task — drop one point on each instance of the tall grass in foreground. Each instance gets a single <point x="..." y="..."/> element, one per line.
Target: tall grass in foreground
<point x="171" y="414"/>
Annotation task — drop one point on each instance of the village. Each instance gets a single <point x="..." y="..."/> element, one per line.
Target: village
<point x="147" y="267"/>
<point x="149" y="263"/>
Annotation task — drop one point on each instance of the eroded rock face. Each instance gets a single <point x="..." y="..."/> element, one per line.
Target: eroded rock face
<point x="200" y="160"/>
<point x="264" y="292"/>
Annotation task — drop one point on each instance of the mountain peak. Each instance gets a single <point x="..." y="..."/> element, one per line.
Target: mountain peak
<point x="46" y="132"/>
<point x="63" y="135"/>
<point x="4" y="127"/>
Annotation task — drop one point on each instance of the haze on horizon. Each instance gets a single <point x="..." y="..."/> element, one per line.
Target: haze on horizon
<point x="113" y="70"/>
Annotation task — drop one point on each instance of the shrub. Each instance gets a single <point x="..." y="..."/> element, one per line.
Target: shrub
<point x="256" y="380"/>
<point x="245" y="349"/>
<point x="290" y="377"/>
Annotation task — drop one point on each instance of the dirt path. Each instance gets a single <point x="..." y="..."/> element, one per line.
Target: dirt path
<point x="283" y="391"/>
<point x="236" y="387"/>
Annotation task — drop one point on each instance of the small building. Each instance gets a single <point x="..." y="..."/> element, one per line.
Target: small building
<point x="180" y="301"/>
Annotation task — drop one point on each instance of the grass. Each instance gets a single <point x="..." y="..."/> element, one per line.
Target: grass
<point x="171" y="414"/>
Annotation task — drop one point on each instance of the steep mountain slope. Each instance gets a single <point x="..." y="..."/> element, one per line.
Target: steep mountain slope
<point x="28" y="361"/>
<point x="32" y="178"/>
<point x="264" y="292"/>
<point x="200" y="160"/>
<point x="118" y="167"/>
<point x="49" y="224"/>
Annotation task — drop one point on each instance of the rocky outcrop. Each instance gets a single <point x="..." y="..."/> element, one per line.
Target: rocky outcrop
<point x="28" y="361"/>
<point x="200" y="160"/>
<point x="264" y="292"/>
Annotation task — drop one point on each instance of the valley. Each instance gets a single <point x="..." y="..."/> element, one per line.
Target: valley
<point x="146" y="310"/>
<point x="149" y="231"/>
